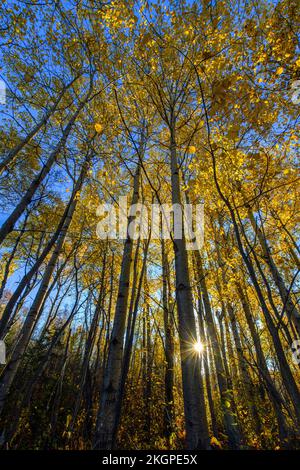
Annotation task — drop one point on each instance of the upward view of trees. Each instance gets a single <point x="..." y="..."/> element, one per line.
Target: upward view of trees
<point x="145" y="341"/>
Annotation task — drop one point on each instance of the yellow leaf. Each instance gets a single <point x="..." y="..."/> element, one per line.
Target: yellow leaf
<point x="69" y="418"/>
<point x="192" y="149"/>
<point x="279" y="71"/>
<point x="98" y="127"/>
<point x="214" y="442"/>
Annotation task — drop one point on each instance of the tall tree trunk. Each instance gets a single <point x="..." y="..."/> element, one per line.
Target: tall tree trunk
<point x="285" y="294"/>
<point x="9" y="224"/>
<point x="207" y="370"/>
<point x="6" y="316"/>
<point x="27" y="328"/>
<point x="263" y="369"/>
<point x="287" y="376"/>
<point x="234" y="439"/>
<point x="9" y="158"/>
<point x="112" y="375"/>
<point x="92" y="333"/>
<point x="245" y="374"/>
<point x="11" y="258"/>
<point x="147" y="364"/>
<point x="193" y="392"/>
<point x="168" y="346"/>
<point x="129" y="342"/>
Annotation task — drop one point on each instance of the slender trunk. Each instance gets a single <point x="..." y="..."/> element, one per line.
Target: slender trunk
<point x="133" y="294"/>
<point x="10" y="222"/>
<point x="168" y="346"/>
<point x="193" y="392"/>
<point x="92" y="332"/>
<point x="207" y="369"/>
<point x="147" y="365"/>
<point x="230" y="424"/>
<point x="9" y="158"/>
<point x="27" y="328"/>
<point x="293" y="254"/>
<point x="287" y="376"/>
<point x="263" y="368"/>
<point x="220" y="318"/>
<point x="245" y="374"/>
<point x="5" y="319"/>
<point x="112" y="375"/>
<point x="129" y="343"/>
<point x="57" y="398"/>
<point x="285" y="293"/>
<point x="11" y="257"/>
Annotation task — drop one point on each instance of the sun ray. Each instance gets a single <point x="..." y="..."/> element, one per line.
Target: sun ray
<point x="198" y="347"/>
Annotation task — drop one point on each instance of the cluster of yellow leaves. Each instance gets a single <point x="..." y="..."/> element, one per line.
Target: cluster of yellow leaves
<point x="98" y="128"/>
<point x="192" y="149"/>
